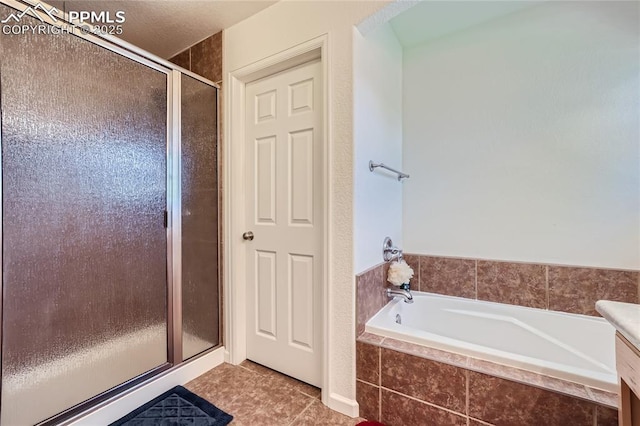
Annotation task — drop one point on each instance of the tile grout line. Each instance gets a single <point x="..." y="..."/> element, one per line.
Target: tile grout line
<point x="367" y="383"/>
<point x="245" y="368"/>
<point x="408" y="351"/>
<point x="306" y="394"/>
<point x="379" y="366"/>
<point x="380" y="384"/>
<point x="302" y="412"/>
<point x="482" y="422"/>
<point x="379" y="404"/>
<point x="419" y="273"/>
<point x="476" y="279"/>
<point x="237" y="397"/>
<point x="286" y="384"/>
<point x="467" y="396"/>
<point x="259" y="375"/>
<point x="312" y="399"/>
<point x="431" y="404"/>
<point x="231" y="401"/>
<point x="546" y="284"/>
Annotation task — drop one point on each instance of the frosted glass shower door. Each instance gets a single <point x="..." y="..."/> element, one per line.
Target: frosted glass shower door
<point x="200" y="292"/>
<point x="84" y="148"/>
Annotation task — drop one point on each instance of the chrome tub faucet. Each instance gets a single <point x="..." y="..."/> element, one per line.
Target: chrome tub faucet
<point x="403" y="291"/>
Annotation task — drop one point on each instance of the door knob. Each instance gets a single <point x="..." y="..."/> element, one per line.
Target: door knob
<point x="248" y="236"/>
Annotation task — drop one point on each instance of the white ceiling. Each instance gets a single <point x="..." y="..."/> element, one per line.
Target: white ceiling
<point x="430" y="20"/>
<point x="166" y="27"/>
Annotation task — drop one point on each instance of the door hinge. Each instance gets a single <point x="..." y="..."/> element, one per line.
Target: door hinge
<point x="166" y="219"/>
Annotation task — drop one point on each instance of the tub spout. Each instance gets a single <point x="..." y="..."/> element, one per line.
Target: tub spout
<point x="405" y="294"/>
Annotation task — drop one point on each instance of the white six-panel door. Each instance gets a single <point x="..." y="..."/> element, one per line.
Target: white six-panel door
<point x="284" y="212"/>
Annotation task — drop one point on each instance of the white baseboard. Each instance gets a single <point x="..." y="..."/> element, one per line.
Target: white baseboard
<point x="112" y="410"/>
<point x="348" y="407"/>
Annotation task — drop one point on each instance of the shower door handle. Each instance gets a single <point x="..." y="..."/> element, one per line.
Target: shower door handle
<point x="248" y="236"/>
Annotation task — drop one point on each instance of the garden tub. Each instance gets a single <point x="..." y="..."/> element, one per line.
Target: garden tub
<point x="572" y="347"/>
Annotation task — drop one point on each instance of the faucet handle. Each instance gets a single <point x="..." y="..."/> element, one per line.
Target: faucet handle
<point x="389" y="251"/>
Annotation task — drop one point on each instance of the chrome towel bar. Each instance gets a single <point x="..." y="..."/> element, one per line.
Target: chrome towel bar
<point x="401" y="175"/>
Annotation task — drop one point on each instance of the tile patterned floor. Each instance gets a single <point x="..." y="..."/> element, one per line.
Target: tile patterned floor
<point x="258" y="396"/>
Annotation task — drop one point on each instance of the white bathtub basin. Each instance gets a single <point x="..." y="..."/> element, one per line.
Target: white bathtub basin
<point x="573" y="347"/>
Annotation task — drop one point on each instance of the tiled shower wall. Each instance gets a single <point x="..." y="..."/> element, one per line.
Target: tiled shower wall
<point x="558" y="288"/>
<point x="205" y="59"/>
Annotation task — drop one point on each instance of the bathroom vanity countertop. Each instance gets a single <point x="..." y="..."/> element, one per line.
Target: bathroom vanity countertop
<point x="625" y="317"/>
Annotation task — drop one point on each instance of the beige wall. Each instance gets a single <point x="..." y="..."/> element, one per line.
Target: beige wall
<point x="522" y="138"/>
<point x="377" y="108"/>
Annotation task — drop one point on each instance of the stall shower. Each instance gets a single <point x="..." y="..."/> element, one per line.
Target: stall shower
<point x="109" y="219"/>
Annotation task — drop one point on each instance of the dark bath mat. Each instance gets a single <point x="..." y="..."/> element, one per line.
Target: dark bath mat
<point x="176" y="407"/>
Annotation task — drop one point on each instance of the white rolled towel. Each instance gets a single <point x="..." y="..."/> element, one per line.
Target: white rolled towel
<point x="399" y="273"/>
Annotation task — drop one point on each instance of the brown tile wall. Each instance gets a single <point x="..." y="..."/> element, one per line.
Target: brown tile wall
<point x="203" y="58"/>
<point x="370" y="297"/>
<point x="457" y="276"/>
<point x="590" y="284"/>
<point x="206" y="58"/>
<point x="399" y="389"/>
<point x="434" y="382"/>
<point x="183" y="59"/>
<point x="559" y="288"/>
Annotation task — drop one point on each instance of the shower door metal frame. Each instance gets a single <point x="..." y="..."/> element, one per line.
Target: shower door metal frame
<point x="1" y="248"/>
<point x="174" y="224"/>
<point x="173" y="207"/>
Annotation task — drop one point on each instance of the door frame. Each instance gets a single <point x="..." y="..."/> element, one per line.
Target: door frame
<point x="235" y="289"/>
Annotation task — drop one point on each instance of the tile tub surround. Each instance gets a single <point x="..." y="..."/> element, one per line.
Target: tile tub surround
<point x="401" y="383"/>
<point x="370" y="297"/>
<point x="592" y="285"/>
<point x="370" y="287"/>
<point x="456" y="276"/>
<point x="559" y="288"/>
